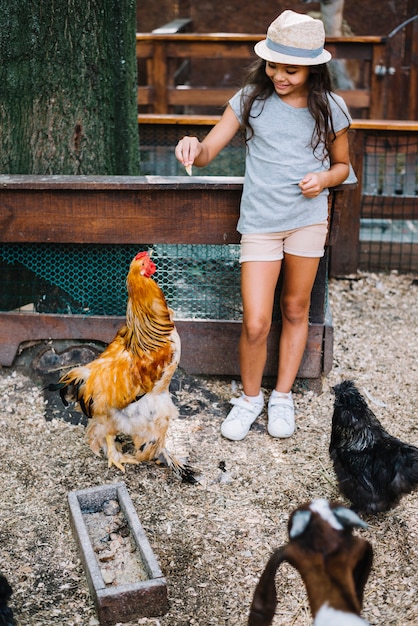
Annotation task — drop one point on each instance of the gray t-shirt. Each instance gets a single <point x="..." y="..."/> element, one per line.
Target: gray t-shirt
<point x="279" y="155"/>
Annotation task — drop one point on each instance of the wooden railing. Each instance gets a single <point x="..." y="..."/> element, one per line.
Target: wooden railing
<point x="168" y="84"/>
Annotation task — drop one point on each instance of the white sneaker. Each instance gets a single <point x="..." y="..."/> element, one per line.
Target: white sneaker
<point x="238" y="422"/>
<point x="281" y="417"/>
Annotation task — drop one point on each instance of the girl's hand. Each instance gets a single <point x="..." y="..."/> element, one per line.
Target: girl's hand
<point x="187" y="150"/>
<point x="311" y="185"/>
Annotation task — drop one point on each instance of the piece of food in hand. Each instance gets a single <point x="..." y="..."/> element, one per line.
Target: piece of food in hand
<point x="188" y="169"/>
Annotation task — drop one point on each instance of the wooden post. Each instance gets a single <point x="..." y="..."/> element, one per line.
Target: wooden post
<point x="345" y="253"/>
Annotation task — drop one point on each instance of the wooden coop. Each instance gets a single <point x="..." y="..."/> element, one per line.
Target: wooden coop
<point x="172" y="210"/>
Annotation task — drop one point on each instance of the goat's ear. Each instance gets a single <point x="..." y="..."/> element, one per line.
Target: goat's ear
<point x="264" y="601"/>
<point x="362" y="568"/>
<point x="299" y="523"/>
<point x="348" y="518"/>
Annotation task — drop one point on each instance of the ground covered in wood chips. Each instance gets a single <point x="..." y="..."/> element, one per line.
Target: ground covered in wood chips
<point x="213" y="540"/>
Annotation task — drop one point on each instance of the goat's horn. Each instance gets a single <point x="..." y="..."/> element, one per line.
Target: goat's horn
<point x="348" y="518"/>
<point x="300" y="521"/>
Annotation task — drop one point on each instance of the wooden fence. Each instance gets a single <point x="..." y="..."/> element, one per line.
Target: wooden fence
<point x="166" y="84"/>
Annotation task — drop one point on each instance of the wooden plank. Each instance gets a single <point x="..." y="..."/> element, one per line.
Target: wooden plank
<point x="344" y="254"/>
<point x="208" y="346"/>
<point x="215" y="38"/>
<point x="378" y="256"/>
<point x="184" y="95"/>
<point x="199" y="96"/>
<point x="410" y="82"/>
<point x="210" y="50"/>
<point x="144" y="48"/>
<point x="145" y="95"/>
<point x="118" y="183"/>
<point x="395" y="126"/>
<point x="389" y="207"/>
<point x="356" y="50"/>
<point x="319" y="292"/>
<point x="328" y="351"/>
<point x="231" y="38"/>
<point x="119" y="210"/>
<point x="174" y="119"/>
<point x="370" y="40"/>
<point x="383" y="125"/>
<point x="81" y="209"/>
<point x="160" y="78"/>
<point x="356" y="98"/>
<point x="212" y="347"/>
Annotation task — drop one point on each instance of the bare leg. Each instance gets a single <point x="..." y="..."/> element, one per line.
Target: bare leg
<point x="258" y="283"/>
<point x="298" y="279"/>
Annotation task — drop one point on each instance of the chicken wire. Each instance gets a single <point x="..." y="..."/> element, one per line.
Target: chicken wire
<point x="157" y="142"/>
<point x="389" y="222"/>
<point x="198" y="281"/>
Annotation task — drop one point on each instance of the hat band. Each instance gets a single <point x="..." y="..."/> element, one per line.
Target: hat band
<point x="293" y="52"/>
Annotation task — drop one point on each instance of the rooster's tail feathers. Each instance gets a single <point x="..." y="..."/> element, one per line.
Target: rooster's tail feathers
<point x="62" y="388"/>
<point x="181" y="470"/>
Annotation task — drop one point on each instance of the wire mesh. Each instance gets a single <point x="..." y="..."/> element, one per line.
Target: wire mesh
<point x="201" y="282"/>
<point x="157" y="143"/>
<point x="389" y="222"/>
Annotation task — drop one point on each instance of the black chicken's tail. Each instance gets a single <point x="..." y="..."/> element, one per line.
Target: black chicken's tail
<point x="6" y="613"/>
<point x="407" y="476"/>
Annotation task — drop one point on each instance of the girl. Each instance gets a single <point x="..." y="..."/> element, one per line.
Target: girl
<point x="297" y="147"/>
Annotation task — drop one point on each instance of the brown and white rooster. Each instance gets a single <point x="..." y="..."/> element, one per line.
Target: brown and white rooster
<point x="125" y="391"/>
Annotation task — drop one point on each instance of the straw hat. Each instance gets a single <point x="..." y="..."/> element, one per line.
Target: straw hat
<point x="294" y="39"/>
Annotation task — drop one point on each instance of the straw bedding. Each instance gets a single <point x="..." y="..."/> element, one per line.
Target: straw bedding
<point x="212" y="540"/>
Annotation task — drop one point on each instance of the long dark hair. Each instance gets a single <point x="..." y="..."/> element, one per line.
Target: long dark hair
<point x="319" y="83"/>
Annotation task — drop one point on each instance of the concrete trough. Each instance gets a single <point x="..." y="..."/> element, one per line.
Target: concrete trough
<point x="120" y="602"/>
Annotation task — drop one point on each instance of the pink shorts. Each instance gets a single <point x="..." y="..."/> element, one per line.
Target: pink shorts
<point x="308" y="241"/>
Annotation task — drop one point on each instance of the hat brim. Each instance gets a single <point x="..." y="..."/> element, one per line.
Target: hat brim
<point x="265" y="53"/>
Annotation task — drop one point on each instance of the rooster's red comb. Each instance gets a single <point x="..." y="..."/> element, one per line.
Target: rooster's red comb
<point x="149" y="266"/>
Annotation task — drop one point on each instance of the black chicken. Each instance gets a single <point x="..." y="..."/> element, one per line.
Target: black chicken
<point x="373" y="468"/>
<point x="6" y="614"/>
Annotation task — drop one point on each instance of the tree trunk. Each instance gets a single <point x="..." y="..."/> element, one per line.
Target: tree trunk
<point x="68" y="87"/>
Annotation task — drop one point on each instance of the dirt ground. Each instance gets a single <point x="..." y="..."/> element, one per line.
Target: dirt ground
<point x="212" y="540"/>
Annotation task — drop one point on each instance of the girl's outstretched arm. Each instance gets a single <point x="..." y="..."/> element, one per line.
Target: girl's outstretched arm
<point x="190" y="151"/>
<point x="312" y="184"/>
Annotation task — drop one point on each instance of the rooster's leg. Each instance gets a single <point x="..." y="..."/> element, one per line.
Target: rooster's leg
<point x="116" y="458"/>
